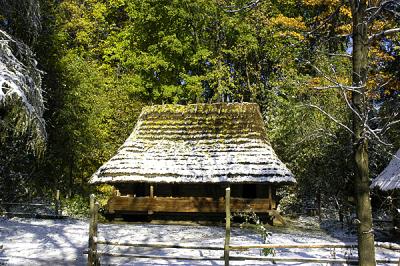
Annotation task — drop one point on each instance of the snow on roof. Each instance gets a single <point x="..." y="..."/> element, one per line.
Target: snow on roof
<point x="389" y="179"/>
<point x="198" y="143"/>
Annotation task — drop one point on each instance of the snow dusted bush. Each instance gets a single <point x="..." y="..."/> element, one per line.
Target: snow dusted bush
<point x="22" y="127"/>
<point x="251" y="220"/>
<point x="21" y="101"/>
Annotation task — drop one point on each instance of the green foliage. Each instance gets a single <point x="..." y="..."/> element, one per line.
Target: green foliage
<point x="77" y="206"/>
<point x="104" y="193"/>
<point x="105" y="59"/>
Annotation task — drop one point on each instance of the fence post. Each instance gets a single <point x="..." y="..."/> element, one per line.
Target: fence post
<point x="227" y="224"/>
<point x="57" y="203"/>
<point x="94" y="210"/>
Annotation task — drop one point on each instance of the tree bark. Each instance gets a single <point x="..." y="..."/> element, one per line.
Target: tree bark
<point x="366" y="249"/>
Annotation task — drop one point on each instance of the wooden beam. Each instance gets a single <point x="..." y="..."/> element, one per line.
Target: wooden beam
<point x="258" y="258"/>
<point x="386" y="245"/>
<point x="127" y="255"/>
<point x="314" y="260"/>
<point x="125" y="204"/>
<point x="295" y="245"/>
<point x="158" y="244"/>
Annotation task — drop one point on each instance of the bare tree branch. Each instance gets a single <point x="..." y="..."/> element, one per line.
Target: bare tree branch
<point x="335" y="82"/>
<point x="331" y="117"/>
<point x="378" y="9"/>
<point x="319" y="133"/>
<point x="342" y="55"/>
<point x="387" y="127"/>
<point x="383" y="33"/>
<point x="326" y="20"/>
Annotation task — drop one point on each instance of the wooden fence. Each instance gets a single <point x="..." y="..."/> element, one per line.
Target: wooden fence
<point x="55" y="205"/>
<point x="94" y="255"/>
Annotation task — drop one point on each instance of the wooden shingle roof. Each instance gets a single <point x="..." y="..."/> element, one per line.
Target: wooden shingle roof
<point x="389" y="179"/>
<point x="198" y="143"/>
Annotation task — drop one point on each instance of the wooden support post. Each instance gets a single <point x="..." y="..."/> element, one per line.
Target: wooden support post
<point x="151" y="191"/>
<point x="227" y="224"/>
<point x="93" y="260"/>
<point x="57" y="203"/>
<point x="151" y="195"/>
<point x="270" y="196"/>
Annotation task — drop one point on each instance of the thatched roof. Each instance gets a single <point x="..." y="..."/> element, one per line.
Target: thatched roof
<point x="198" y="143"/>
<point x="389" y="179"/>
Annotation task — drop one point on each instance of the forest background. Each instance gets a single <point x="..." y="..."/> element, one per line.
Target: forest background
<point x="101" y="61"/>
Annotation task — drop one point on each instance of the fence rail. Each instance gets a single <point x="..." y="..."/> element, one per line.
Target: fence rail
<point x="386" y="245"/>
<point x="56" y="205"/>
<point x="94" y="255"/>
<point x="155" y="244"/>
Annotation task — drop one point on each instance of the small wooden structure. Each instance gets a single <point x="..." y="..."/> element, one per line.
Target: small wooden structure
<point x="389" y="182"/>
<point x="180" y="159"/>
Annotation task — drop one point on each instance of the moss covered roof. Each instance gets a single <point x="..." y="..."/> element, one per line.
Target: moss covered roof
<point x="389" y="179"/>
<point x="203" y="143"/>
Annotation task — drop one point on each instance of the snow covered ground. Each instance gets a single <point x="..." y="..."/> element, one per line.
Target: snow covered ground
<point x="62" y="242"/>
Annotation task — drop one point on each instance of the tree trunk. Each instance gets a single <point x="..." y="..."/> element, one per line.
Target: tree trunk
<point x="366" y="249"/>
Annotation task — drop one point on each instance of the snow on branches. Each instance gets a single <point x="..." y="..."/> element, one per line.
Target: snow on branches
<point x="21" y="101"/>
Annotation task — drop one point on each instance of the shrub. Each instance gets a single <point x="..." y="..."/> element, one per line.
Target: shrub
<point x="251" y="220"/>
<point x="77" y="206"/>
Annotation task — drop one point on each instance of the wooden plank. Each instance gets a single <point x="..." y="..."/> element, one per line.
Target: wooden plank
<point x="27" y="204"/>
<point x="33" y="215"/>
<point x="241" y="258"/>
<point x="227" y="224"/>
<point x="127" y="255"/>
<point x="387" y="245"/>
<point x="296" y="245"/>
<point x="184" y="204"/>
<point x="315" y="260"/>
<point x="158" y="244"/>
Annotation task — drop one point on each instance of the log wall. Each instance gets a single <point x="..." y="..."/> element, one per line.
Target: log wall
<point x="128" y="204"/>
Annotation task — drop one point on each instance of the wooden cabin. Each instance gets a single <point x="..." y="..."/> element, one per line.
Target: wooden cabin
<point x="180" y="159"/>
<point x="388" y="182"/>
